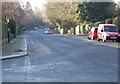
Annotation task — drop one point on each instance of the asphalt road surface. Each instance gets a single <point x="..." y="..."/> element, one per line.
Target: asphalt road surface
<point x="63" y="58"/>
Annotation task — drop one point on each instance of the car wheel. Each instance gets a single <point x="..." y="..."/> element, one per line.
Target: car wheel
<point x="98" y="39"/>
<point x="112" y="40"/>
<point x="88" y="38"/>
<point x="117" y="40"/>
<point x="104" y="40"/>
<point x="92" y="38"/>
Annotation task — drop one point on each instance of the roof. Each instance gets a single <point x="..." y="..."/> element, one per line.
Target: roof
<point x="108" y="24"/>
<point x="95" y="27"/>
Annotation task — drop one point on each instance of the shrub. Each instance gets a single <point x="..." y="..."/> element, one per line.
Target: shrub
<point x="82" y="29"/>
<point x="18" y="30"/>
<point x="12" y="25"/>
<point x="72" y="31"/>
<point x="108" y="21"/>
<point x="0" y="29"/>
<point x="4" y="30"/>
<point x="89" y="26"/>
<point x="116" y="21"/>
<point x="97" y="24"/>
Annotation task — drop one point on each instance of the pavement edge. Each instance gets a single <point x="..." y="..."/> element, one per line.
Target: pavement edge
<point x="25" y="53"/>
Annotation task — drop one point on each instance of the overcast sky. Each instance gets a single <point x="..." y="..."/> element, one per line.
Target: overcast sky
<point x="34" y="3"/>
<point x="41" y="3"/>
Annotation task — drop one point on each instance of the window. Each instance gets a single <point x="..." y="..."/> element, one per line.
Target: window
<point x="110" y="29"/>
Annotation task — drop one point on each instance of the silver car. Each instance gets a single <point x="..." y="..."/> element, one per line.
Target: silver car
<point x="48" y="32"/>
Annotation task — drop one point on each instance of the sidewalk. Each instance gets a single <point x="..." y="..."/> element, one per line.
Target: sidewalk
<point x="16" y="48"/>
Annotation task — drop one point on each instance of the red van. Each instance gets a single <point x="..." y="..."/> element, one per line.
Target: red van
<point x="93" y="33"/>
<point x="107" y="32"/>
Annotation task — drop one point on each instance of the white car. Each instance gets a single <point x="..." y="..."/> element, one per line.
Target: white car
<point x="48" y="32"/>
<point x="108" y="32"/>
<point x="35" y="28"/>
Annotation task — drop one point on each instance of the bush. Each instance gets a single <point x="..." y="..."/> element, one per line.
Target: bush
<point x="72" y="31"/>
<point x="116" y="21"/>
<point x="12" y="25"/>
<point x="4" y="30"/>
<point x="82" y="29"/>
<point x="89" y="26"/>
<point x="0" y="29"/>
<point x="92" y="24"/>
<point x="97" y="24"/>
<point x="18" y="30"/>
<point x="108" y="21"/>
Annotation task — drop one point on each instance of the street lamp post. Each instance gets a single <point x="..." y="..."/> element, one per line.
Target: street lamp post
<point x="8" y="30"/>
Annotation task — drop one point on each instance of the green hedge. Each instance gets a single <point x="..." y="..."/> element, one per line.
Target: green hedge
<point x="18" y="30"/>
<point x="88" y="27"/>
<point x="97" y="23"/>
<point x="82" y="29"/>
<point x="0" y="30"/>
<point x="116" y="21"/>
<point x="4" y="30"/>
<point x="109" y="21"/>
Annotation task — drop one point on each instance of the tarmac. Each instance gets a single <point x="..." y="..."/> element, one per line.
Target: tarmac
<point x="16" y="48"/>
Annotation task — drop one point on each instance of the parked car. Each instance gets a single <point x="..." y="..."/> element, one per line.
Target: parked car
<point x="24" y="29"/>
<point x="93" y="33"/>
<point x="48" y="32"/>
<point x="35" y="28"/>
<point x="107" y="32"/>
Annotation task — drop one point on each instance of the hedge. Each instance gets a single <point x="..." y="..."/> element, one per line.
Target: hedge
<point x="0" y="30"/>
<point x="88" y="27"/>
<point x="116" y="21"/>
<point x="82" y="29"/>
<point x="18" y="30"/>
<point x="12" y="25"/>
<point x="109" y="21"/>
<point x="4" y="30"/>
<point x="97" y="24"/>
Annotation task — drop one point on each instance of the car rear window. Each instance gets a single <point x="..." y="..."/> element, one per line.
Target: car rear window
<point x="110" y="29"/>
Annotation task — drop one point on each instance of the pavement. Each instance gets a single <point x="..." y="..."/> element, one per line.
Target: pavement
<point x="16" y="48"/>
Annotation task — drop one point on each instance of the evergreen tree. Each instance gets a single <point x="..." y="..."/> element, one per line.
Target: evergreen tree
<point x="94" y="11"/>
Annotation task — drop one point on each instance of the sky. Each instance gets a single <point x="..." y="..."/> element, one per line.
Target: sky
<point x="41" y="3"/>
<point x="116" y="1"/>
<point x="34" y="3"/>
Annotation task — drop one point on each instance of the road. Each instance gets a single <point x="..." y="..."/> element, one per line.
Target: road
<point x="62" y="58"/>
